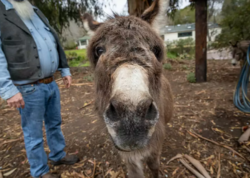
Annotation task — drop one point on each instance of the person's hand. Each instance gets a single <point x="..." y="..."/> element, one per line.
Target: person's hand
<point x="67" y="81"/>
<point x="16" y="101"/>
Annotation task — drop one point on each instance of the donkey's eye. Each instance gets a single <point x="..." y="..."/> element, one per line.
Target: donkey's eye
<point x="99" y="51"/>
<point x="157" y="51"/>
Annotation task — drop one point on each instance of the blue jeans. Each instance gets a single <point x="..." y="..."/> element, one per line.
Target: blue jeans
<point x="42" y="103"/>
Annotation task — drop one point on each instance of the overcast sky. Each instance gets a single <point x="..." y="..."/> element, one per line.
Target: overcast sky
<point x="120" y="7"/>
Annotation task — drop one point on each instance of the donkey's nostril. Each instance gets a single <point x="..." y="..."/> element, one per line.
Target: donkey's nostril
<point x="151" y="112"/>
<point x="111" y="113"/>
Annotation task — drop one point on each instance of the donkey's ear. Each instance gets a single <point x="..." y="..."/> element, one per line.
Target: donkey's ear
<point x="90" y="24"/>
<point x="155" y="15"/>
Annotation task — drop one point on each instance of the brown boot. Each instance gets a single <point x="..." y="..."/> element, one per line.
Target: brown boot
<point x="49" y="175"/>
<point x="68" y="160"/>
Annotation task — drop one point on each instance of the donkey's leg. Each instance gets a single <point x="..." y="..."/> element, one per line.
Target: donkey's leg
<point x="153" y="163"/>
<point x="135" y="169"/>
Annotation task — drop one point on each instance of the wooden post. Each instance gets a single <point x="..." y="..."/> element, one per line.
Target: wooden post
<point x="201" y="40"/>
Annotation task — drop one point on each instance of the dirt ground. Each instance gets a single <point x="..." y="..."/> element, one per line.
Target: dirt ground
<point x="206" y="109"/>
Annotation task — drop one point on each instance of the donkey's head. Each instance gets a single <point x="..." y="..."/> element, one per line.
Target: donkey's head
<point x="126" y="53"/>
<point x="236" y="52"/>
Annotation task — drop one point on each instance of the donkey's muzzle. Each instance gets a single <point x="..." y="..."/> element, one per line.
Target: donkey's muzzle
<point x="131" y="126"/>
<point x="145" y="110"/>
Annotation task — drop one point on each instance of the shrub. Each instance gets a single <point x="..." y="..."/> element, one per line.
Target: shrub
<point x="77" y="58"/>
<point x="182" y="43"/>
<point x="191" y="77"/>
<point x="167" y="66"/>
<point x="171" y="55"/>
<point x="73" y="54"/>
<point x="81" y="58"/>
<point x="184" y="48"/>
<point x="74" y="63"/>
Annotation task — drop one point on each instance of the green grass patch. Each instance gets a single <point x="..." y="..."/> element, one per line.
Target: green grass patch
<point x="74" y="63"/>
<point x="80" y="52"/>
<point x="167" y="66"/>
<point x="171" y="55"/>
<point x="79" y="63"/>
<point x="86" y="64"/>
<point x="191" y="78"/>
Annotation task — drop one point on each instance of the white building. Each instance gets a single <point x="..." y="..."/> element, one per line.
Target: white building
<point x="83" y="42"/>
<point x="172" y="33"/>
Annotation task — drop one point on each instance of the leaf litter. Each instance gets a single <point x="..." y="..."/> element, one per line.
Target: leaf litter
<point x="205" y="109"/>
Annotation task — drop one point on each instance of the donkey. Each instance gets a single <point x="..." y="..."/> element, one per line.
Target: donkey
<point x="239" y="52"/>
<point x="133" y="98"/>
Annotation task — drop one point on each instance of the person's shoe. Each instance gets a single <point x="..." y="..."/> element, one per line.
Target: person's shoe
<point x="49" y="175"/>
<point x="68" y="160"/>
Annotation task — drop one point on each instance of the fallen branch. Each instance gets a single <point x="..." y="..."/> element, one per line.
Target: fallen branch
<point x="1" y="175"/>
<point x="80" y="164"/>
<point x="79" y="175"/>
<point x="175" y="171"/>
<point x="244" y="137"/>
<point x="87" y="104"/>
<point x="77" y="84"/>
<point x="218" y="173"/>
<point x="190" y="133"/>
<point x="10" y="141"/>
<point x="181" y="173"/>
<point x="9" y="173"/>
<point x="198" y="166"/>
<point x="194" y="162"/>
<point x="197" y="174"/>
<point x="58" y="79"/>
<point x="81" y="84"/>
<point x="245" y="147"/>
<point x="216" y="143"/>
<point x="108" y="172"/>
<point x="93" y="175"/>
<point x="178" y="156"/>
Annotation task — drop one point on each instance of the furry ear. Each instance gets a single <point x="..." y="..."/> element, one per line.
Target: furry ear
<point x="155" y="15"/>
<point x="90" y="25"/>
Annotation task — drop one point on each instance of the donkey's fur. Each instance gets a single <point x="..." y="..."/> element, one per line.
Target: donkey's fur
<point x="132" y="44"/>
<point x="239" y="52"/>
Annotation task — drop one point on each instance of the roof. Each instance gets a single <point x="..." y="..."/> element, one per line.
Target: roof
<point x="84" y="38"/>
<point x="185" y="28"/>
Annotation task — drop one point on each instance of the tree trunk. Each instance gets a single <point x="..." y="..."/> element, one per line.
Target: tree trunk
<point x="137" y="7"/>
<point x="201" y="40"/>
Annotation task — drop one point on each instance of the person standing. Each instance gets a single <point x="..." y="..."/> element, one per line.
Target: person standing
<point x="30" y="54"/>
